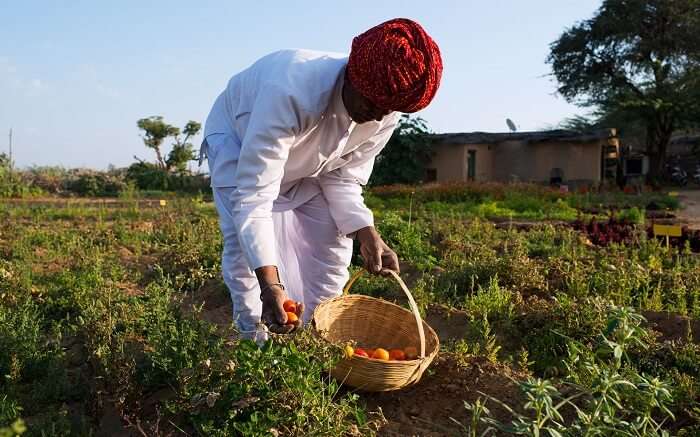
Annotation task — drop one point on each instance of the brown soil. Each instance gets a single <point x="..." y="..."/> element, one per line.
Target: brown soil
<point x="429" y="407"/>
<point x="690" y="213"/>
<point x="673" y="326"/>
<point x="216" y="305"/>
<point x="449" y="324"/>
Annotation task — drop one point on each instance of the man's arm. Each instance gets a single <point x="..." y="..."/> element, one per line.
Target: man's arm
<point x="343" y="191"/>
<point x="272" y="128"/>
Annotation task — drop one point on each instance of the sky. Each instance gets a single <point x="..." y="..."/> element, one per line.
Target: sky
<point x="75" y="76"/>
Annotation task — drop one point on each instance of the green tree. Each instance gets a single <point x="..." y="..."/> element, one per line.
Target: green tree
<point x="156" y="131"/>
<point x="635" y="61"/>
<point x="183" y="151"/>
<point x="405" y="155"/>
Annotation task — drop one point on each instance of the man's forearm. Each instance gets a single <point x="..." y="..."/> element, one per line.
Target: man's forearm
<point x="267" y="275"/>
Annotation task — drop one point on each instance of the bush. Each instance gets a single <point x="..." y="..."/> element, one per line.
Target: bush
<point x="11" y="182"/>
<point x="95" y="184"/>
<point x="149" y="176"/>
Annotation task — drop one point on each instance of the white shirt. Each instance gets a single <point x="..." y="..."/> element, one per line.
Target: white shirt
<point x="283" y="120"/>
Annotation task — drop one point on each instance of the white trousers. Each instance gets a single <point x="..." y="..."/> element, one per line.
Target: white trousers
<point x="313" y="257"/>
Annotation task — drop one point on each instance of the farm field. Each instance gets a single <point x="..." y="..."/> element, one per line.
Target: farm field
<point x="556" y="313"/>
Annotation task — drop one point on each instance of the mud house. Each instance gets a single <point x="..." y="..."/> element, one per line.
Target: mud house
<point x="548" y="156"/>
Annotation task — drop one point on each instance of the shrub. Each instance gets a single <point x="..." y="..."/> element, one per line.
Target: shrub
<point x="149" y="176"/>
<point x="89" y="183"/>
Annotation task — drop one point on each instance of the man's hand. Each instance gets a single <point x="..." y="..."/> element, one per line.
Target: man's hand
<point x="273" y="297"/>
<point x="376" y="254"/>
<point x="273" y="313"/>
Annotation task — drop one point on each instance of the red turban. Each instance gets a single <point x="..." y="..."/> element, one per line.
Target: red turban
<point x="396" y="65"/>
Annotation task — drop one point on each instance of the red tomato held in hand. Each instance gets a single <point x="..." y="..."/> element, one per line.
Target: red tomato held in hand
<point x="290" y="306"/>
<point x="291" y="318"/>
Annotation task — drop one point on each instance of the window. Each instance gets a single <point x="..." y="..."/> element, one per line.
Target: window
<point x="634" y="166"/>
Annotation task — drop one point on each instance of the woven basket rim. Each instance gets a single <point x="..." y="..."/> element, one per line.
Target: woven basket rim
<point x="328" y="302"/>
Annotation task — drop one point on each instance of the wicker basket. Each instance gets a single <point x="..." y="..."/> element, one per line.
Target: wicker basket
<point x="373" y="323"/>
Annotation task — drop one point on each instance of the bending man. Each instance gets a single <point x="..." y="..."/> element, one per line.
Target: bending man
<point x="290" y="142"/>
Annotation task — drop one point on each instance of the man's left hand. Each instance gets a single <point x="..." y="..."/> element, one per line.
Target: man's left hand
<point x="375" y="252"/>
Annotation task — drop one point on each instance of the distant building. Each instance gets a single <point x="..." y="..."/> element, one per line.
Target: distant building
<point x="557" y="156"/>
<point x="684" y="146"/>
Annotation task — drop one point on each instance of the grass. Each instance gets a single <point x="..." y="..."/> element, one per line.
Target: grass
<point x="96" y="307"/>
<point x="516" y="201"/>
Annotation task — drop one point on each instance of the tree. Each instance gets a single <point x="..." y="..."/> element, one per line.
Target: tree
<point x="183" y="151"/>
<point x="635" y="60"/>
<point x="405" y="155"/>
<point x="156" y="131"/>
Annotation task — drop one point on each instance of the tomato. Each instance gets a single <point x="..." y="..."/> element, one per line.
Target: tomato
<point x="291" y="318"/>
<point x="380" y="354"/>
<point x="290" y="306"/>
<point x="359" y="352"/>
<point x="410" y="352"/>
<point x="397" y="355"/>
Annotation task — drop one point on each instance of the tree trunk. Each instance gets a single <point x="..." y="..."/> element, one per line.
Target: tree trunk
<point x="658" y="138"/>
<point x="159" y="157"/>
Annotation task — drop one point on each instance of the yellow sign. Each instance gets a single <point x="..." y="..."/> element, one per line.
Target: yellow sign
<point x="163" y="202"/>
<point x="668" y="230"/>
<point x="673" y="194"/>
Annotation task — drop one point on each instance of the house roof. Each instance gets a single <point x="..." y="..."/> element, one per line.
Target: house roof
<point x="566" y="136"/>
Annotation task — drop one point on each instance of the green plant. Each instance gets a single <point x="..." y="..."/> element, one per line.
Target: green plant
<point x="404" y="157"/>
<point x="17" y="428"/>
<point x="282" y="386"/>
<point x="608" y="398"/>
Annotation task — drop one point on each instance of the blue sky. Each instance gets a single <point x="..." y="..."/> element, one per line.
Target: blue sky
<point x="76" y="75"/>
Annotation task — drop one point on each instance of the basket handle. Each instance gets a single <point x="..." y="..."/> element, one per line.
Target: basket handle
<point x="411" y="302"/>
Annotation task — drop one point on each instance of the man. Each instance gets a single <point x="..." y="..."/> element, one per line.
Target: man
<point x="290" y="142"/>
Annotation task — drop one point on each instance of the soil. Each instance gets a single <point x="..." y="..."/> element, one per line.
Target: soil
<point x="216" y="305"/>
<point x="690" y="214"/>
<point x="431" y="407"/>
<point x="673" y="326"/>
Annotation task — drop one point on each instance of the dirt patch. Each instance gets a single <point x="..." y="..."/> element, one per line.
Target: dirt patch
<point x="427" y="408"/>
<point x="673" y="326"/>
<point x="216" y="305"/>
<point x="690" y="214"/>
<point x="449" y="324"/>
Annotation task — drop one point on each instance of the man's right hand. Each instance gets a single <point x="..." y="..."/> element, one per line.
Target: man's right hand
<point x="273" y="313"/>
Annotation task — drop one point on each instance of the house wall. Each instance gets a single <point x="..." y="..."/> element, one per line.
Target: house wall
<point x="484" y="161"/>
<point x="517" y="160"/>
<point x="578" y="161"/>
<point x="450" y="161"/>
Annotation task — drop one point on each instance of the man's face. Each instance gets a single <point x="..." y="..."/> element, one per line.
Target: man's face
<point x="360" y="108"/>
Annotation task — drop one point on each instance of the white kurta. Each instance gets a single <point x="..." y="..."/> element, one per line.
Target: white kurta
<point x="287" y="166"/>
<point x="283" y="120"/>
